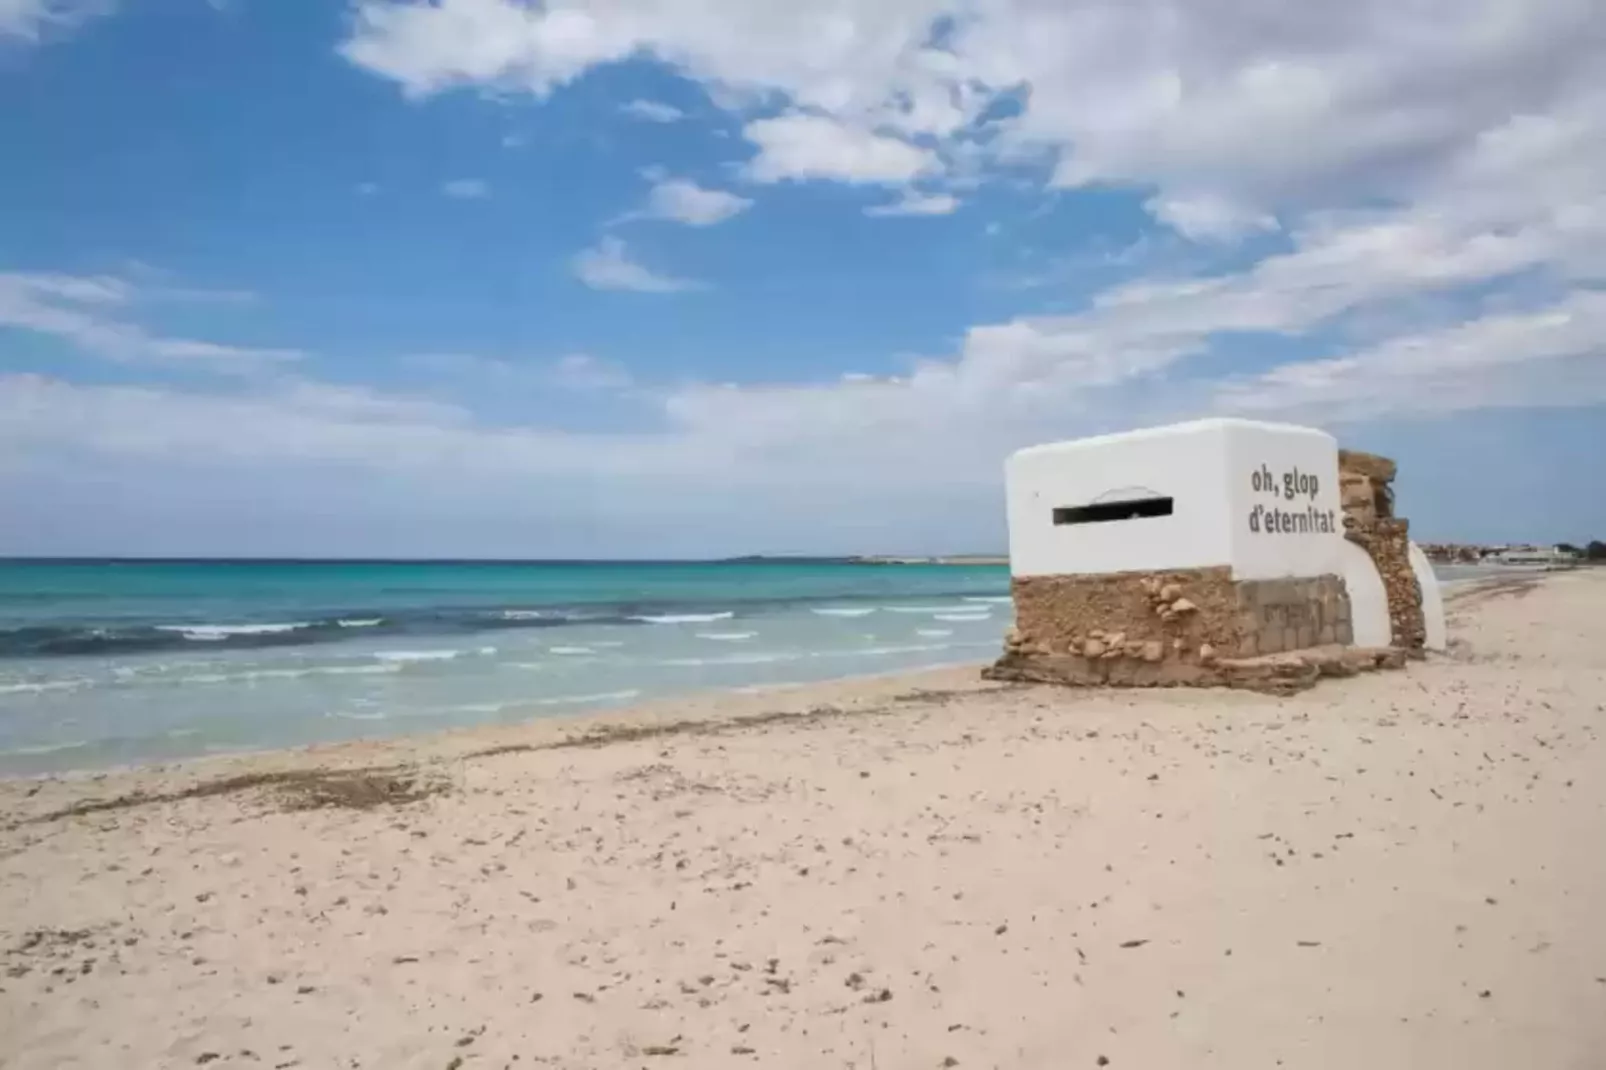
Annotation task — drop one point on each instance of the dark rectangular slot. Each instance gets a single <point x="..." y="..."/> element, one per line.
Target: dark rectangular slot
<point x="1103" y="512"/>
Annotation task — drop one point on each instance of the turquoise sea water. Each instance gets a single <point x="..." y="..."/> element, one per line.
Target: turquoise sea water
<point x="105" y="663"/>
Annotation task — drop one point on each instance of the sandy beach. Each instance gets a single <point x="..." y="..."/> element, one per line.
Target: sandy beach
<point x="1400" y="870"/>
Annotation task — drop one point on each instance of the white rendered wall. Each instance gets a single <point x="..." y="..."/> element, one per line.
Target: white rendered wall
<point x="1436" y="636"/>
<point x="1187" y="462"/>
<point x="1294" y="527"/>
<point x="1210" y="469"/>
<point x="1368" y="599"/>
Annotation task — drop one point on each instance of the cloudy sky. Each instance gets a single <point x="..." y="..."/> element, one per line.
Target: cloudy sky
<point x="699" y="277"/>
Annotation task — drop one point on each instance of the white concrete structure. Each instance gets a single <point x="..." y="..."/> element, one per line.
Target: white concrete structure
<point x="1368" y="598"/>
<point x="1436" y="634"/>
<point x="1260" y="497"/>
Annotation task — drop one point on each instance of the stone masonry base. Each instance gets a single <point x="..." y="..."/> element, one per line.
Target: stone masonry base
<point x="1193" y="627"/>
<point x="1272" y="674"/>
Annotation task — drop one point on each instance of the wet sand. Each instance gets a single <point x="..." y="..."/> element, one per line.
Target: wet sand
<point x="1399" y="870"/>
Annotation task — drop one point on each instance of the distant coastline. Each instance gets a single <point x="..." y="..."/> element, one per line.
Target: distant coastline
<point x="945" y="559"/>
<point x="873" y="559"/>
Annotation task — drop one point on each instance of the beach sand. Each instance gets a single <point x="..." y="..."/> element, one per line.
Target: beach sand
<point x="1400" y="870"/>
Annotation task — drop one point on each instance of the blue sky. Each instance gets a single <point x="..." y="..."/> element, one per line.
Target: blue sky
<point x="696" y="277"/>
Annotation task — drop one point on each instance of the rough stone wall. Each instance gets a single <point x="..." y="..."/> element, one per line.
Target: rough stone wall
<point x="1292" y="614"/>
<point x="1368" y="499"/>
<point x="1166" y="628"/>
<point x="1388" y="543"/>
<point x="1371" y="475"/>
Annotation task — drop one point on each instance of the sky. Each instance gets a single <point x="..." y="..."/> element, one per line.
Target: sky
<point x="691" y="278"/>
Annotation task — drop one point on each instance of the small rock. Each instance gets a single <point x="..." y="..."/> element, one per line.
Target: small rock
<point x="1115" y="640"/>
<point x="1182" y="605"/>
<point x="1170" y="592"/>
<point x="1093" y="648"/>
<point x="1207" y="653"/>
<point x="1153" y="650"/>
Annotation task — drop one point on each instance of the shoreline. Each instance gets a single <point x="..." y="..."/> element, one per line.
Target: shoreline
<point x="713" y="695"/>
<point x="734" y="705"/>
<point x="713" y="704"/>
<point x="918" y="871"/>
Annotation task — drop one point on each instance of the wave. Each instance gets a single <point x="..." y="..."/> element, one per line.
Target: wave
<point x="877" y="651"/>
<point x="35" y="750"/>
<point x="350" y="715"/>
<point x="999" y="600"/>
<point x="218" y="632"/>
<point x="930" y="609"/>
<point x="604" y="696"/>
<point x="755" y="658"/>
<point x="726" y="637"/>
<point x="405" y="656"/>
<point x="965" y="617"/>
<point x="934" y="633"/>
<point x="288" y="674"/>
<point x="571" y="650"/>
<point x="33" y="688"/>
<point x="386" y="622"/>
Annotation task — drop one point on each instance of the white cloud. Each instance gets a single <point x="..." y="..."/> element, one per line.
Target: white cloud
<point x="91" y="313"/>
<point x="653" y="111"/>
<point x="680" y="200"/>
<point x="802" y="147"/>
<point x="581" y="371"/>
<point x="1230" y="116"/>
<point x="609" y="266"/>
<point x="917" y="204"/>
<point x="1209" y="218"/>
<point x="466" y="189"/>
<point x="1553" y="355"/>
<point x="32" y="20"/>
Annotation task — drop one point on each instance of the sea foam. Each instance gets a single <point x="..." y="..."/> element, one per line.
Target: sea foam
<point x="218" y="632"/>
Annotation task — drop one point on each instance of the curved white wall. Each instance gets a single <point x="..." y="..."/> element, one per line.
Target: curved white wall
<point x="1437" y="635"/>
<point x="1368" y="601"/>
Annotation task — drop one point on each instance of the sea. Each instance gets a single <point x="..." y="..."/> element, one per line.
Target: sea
<point x="106" y="663"/>
<point x="118" y="662"/>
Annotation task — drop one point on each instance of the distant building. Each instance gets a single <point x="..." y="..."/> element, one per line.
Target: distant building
<point x="1529" y="555"/>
